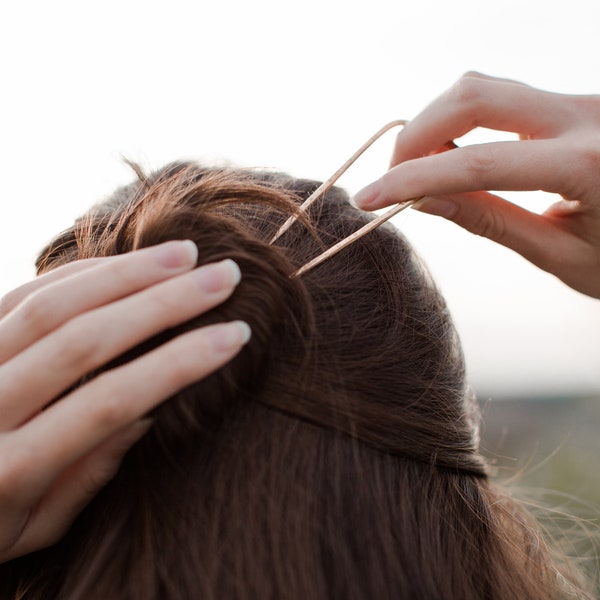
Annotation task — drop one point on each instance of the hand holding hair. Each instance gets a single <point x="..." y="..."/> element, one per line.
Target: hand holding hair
<point x="55" y="455"/>
<point x="558" y="151"/>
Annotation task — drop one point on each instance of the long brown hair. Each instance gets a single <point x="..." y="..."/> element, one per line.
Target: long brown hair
<point x="336" y="457"/>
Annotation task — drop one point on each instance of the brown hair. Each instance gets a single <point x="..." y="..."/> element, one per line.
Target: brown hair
<point x="335" y="457"/>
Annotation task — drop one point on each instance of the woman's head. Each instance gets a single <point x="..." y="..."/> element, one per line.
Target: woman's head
<point x="363" y="343"/>
<point x="335" y="457"/>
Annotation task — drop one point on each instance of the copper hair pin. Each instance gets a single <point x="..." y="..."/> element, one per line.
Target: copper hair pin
<point x="325" y="187"/>
<point x="354" y="236"/>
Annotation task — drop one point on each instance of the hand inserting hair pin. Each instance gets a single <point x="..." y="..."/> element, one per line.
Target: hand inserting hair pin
<point x="326" y="186"/>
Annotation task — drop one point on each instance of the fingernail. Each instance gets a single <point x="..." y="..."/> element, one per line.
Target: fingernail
<point x="218" y="276"/>
<point x="367" y="196"/>
<point x="226" y="336"/>
<point x="135" y="432"/>
<point x="441" y="207"/>
<point x="174" y="255"/>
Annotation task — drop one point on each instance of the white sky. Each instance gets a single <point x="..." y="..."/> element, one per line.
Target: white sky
<point x="294" y="86"/>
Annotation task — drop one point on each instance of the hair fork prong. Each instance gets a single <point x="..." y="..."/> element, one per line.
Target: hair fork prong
<point x="327" y="185"/>
<point x="354" y="236"/>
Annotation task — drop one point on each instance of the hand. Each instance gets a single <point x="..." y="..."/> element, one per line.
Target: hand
<point x="54" y="457"/>
<point x="558" y="151"/>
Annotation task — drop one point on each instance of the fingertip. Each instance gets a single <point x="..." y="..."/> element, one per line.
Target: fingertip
<point x="226" y="337"/>
<point x="215" y="278"/>
<point x="191" y="250"/>
<point x="177" y="254"/>
<point x="366" y="198"/>
<point x="234" y="270"/>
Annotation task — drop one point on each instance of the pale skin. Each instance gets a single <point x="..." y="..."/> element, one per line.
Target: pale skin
<point x="55" y="456"/>
<point x="558" y="151"/>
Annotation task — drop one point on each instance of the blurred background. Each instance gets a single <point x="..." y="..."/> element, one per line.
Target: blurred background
<point x="297" y="87"/>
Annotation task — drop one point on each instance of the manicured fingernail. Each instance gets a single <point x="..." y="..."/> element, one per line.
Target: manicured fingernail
<point x="226" y="336"/>
<point x="367" y="196"/>
<point x="218" y="276"/>
<point x="174" y="255"/>
<point x="441" y="207"/>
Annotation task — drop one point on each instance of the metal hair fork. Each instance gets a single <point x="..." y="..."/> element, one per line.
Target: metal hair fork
<point x="325" y="187"/>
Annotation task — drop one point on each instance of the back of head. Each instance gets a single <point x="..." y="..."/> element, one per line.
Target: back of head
<point x="335" y="457"/>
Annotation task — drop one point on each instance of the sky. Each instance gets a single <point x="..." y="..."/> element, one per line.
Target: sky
<point x="295" y="87"/>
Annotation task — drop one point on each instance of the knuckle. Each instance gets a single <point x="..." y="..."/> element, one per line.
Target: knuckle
<point x="588" y="158"/>
<point x="110" y="407"/>
<point x="8" y="302"/>
<point x="36" y="311"/>
<point x="467" y="92"/>
<point x="79" y="345"/>
<point x="478" y="163"/>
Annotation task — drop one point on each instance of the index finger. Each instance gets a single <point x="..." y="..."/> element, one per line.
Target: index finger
<point x="479" y="101"/>
<point x="529" y="165"/>
<point x="54" y="301"/>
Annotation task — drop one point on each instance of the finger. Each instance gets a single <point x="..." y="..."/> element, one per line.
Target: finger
<point x="63" y="294"/>
<point x="10" y="300"/>
<point x="531" y="165"/>
<point x="72" y="491"/>
<point x="68" y="430"/>
<point x="539" y="239"/>
<point x="477" y="101"/>
<point x="94" y="338"/>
